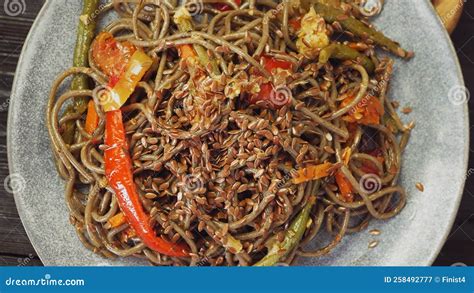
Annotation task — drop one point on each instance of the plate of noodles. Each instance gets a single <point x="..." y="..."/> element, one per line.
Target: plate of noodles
<point x="238" y="133"/>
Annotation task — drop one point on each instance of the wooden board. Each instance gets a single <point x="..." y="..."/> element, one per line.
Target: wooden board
<point x="450" y="11"/>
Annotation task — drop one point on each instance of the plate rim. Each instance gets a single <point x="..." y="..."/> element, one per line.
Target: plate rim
<point x="460" y="75"/>
<point x="458" y="72"/>
<point x="9" y="130"/>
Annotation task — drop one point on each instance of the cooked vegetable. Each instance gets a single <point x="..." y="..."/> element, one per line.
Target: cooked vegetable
<point x="271" y="63"/>
<point x="117" y="162"/>
<point x="366" y="112"/>
<point x="312" y="173"/>
<point x="343" y="52"/>
<point x="345" y="187"/>
<point x="225" y="7"/>
<point x="92" y="119"/>
<point x="228" y="241"/>
<point x="278" y="250"/>
<point x="312" y="35"/>
<point x="118" y="170"/>
<point x="127" y="234"/>
<point x="355" y="26"/>
<point x="295" y="23"/>
<point x="117" y="220"/>
<point x="269" y="96"/>
<point x="186" y="52"/>
<point x="369" y="167"/>
<point x="136" y="68"/>
<point x="85" y="34"/>
<point x="184" y="21"/>
<point x="182" y="18"/>
<point x="111" y="56"/>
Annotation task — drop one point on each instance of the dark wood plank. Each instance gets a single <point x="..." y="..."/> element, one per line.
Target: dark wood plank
<point x="15" y="247"/>
<point x="458" y="248"/>
<point x="20" y="260"/>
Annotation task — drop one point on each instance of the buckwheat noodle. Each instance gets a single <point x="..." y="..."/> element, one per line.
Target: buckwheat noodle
<point x="208" y="164"/>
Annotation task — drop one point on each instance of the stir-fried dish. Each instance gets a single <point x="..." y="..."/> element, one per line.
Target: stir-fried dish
<point x="227" y="132"/>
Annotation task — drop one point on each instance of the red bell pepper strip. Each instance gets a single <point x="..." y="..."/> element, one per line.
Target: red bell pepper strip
<point x="367" y="112"/>
<point x="110" y="55"/>
<point x="118" y="171"/>
<point x="295" y="23"/>
<point x="273" y="97"/>
<point x="125" y="65"/>
<point x="271" y="63"/>
<point x="225" y="7"/>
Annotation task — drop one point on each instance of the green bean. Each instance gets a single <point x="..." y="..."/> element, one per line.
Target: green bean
<point x="279" y="250"/>
<point x="85" y="34"/>
<point x="357" y="27"/>
<point x="343" y="52"/>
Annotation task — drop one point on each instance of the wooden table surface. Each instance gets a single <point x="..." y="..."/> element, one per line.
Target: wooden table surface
<point x="15" y="247"/>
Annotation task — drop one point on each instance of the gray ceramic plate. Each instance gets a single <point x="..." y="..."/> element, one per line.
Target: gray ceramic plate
<point x="437" y="154"/>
